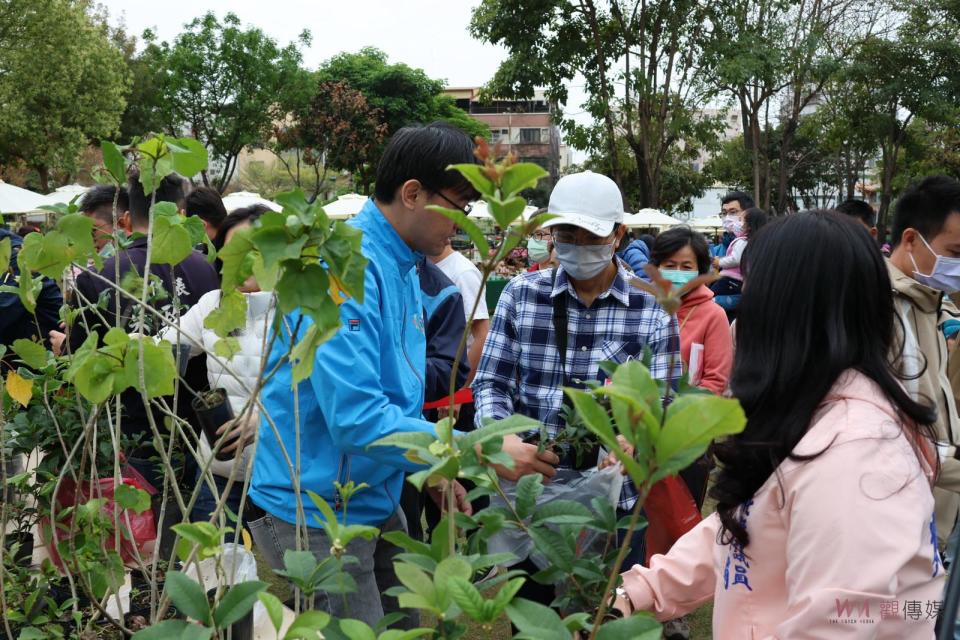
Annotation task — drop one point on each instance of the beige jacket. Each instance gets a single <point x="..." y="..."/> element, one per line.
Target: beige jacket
<point x="921" y="356"/>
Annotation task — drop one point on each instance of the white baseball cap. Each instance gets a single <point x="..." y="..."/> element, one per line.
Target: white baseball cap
<point x="588" y="200"/>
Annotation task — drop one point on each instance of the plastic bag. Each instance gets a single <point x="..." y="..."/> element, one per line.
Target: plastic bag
<point x="237" y="565"/>
<point x="140" y="532"/>
<point x="568" y="484"/>
<point x="671" y="512"/>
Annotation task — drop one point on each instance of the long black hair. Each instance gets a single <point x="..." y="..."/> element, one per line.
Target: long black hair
<point x="753" y="219"/>
<point x="816" y="302"/>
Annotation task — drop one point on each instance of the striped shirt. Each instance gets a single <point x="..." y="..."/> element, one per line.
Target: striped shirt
<point x="520" y="368"/>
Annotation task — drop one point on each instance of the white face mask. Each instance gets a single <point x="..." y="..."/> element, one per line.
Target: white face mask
<point x="733" y="224"/>
<point x="583" y="262"/>
<point x="945" y="275"/>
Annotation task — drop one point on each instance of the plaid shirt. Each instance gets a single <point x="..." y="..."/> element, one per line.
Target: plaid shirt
<point x="520" y="368"/>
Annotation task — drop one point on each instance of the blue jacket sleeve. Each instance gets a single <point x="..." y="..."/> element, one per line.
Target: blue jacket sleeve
<point x="346" y="382"/>
<point x="636" y="255"/>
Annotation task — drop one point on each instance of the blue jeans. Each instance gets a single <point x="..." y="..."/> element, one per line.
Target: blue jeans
<point x="207" y="502"/>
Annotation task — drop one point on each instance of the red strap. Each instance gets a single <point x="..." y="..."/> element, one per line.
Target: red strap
<point x="464" y="396"/>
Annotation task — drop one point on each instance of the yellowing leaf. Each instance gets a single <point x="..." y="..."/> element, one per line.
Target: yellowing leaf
<point x="20" y="389"/>
<point x="336" y="289"/>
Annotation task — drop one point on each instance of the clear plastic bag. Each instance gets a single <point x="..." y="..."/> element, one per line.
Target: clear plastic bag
<point x="568" y="484"/>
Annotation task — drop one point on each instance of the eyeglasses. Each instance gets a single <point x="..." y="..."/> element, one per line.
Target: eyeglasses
<point x="467" y="208"/>
<point x="578" y="236"/>
<point x="730" y="212"/>
<point x="542" y="235"/>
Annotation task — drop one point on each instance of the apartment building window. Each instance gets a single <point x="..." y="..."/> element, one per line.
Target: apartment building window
<point x="532" y="136"/>
<point x="496" y="135"/>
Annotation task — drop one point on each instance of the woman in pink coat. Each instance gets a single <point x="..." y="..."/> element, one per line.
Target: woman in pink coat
<point x="824" y="525"/>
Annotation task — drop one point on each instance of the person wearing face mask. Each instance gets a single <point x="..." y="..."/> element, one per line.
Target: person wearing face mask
<point x="742" y="224"/>
<point x="925" y="268"/>
<point x="540" y="250"/>
<point x="552" y="328"/>
<point x="706" y="347"/>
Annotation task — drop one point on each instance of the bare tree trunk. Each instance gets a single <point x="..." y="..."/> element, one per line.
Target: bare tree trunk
<point x="43" y="172"/>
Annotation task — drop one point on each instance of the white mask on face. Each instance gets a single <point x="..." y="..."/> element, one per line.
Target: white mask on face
<point x="733" y="224"/>
<point x="945" y="275"/>
<point x="583" y="262"/>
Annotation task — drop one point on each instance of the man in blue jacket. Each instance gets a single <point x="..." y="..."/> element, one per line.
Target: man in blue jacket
<point x="368" y="380"/>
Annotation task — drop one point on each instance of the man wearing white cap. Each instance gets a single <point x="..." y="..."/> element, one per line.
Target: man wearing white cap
<point x="553" y="328"/>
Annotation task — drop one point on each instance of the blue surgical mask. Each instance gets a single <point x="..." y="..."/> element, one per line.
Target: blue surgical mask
<point x="678" y="277"/>
<point x="945" y="275"/>
<point x="537" y="250"/>
<point x="583" y="262"/>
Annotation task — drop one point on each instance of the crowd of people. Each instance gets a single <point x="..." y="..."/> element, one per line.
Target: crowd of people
<point x="844" y="487"/>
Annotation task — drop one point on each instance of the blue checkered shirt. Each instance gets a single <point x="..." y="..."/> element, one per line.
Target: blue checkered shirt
<point x="520" y="368"/>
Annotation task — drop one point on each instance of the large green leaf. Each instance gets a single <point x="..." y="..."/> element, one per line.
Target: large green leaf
<point x="113" y="161"/>
<point x="189" y="157"/>
<point x="468" y="226"/>
<point x="130" y="497"/>
<point x="307" y="626"/>
<point x="159" y="368"/>
<point x="188" y="596"/>
<point x="33" y="354"/>
<point x="506" y="212"/>
<point x="554" y="546"/>
<point x="357" y="630"/>
<point x="230" y="314"/>
<point x="520" y="176"/>
<point x="694" y="421"/>
<point x="467" y="598"/>
<point x="497" y="429"/>
<point x="274" y="608"/>
<point x="237" y="603"/>
<point x="171" y="241"/>
<point x="474" y="174"/>
<point x="562" y="512"/>
<point x="529" y="488"/>
<point x="536" y="621"/>
<point x="639" y="626"/>
<point x="417" y="581"/>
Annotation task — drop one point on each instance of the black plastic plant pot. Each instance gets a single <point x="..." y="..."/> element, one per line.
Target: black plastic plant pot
<point x="242" y="629"/>
<point x="24" y="542"/>
<point x="213" y="410"/>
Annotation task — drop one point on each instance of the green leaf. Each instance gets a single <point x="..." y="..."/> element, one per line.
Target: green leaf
<point x="562" y="512"/>
<point x="497" y="429"/>
<point x="639" y="626"/>
<point x="236" y="268"/>
<point x="416" y="580"/>
<point x="159" y="367"/>
<point x="237" y="602"/>
<point x="467" y="598"/>
<point x="230" y="314"/>
<point x="554" y="546"/>
<point x="130" y="497"/>
<point x="636" y="378"/>
<point x="329" y="520"/>
<point x="474" y="174"/>
<point x="192" y="160"/>
<point x="506" y="593"/>
<point x="406" y="440"/>
<point x="468" y="226"/>
<point x="174" y="630"/>
<point x="307" y="626"/>
<point x="529" y="488"/>
<point x="95" y="379"/>
<point x="188" y="596"/>
<point x="171" y="241"/>
<point x="113" y="162"/>
<point x="520" y="176"/>
<point x="33" y="354"/>
<point x="274" y="608"/>
<point x="594" y="416"/>
<point x="356" y="630"/>
<point x="227" y="348"/>
<point x="694" y="421"/>
<point x="507" y="213"/>
<point x="5" y="252"/>
<point x="534" y="620"/>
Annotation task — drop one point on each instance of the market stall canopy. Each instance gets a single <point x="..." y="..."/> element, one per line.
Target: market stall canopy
<point x="242" y="199"/>
<point x="346" y="206"/>
<point x="649" y="218"/>
<point x="67" y="192"/>
<point x="481" y="210"/>
<point x="16" y="200"/>
<point x="706" y="224"/>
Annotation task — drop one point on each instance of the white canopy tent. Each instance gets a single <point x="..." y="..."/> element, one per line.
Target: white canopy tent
<point x="16" y="200"/>
<point x="481" y="210"/>
<point x="649" y="218"/>
<point x="706" y="224"/>
<point x="346" y="206"/>
<point x="242" y="199"/>
<point x="67" y="192"/>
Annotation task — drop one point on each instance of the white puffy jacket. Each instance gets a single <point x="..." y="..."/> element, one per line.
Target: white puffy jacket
<point x="245" y="364"/>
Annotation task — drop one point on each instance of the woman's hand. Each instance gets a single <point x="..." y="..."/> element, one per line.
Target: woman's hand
<point x="241" y="431"/>
<point x="461" y="504"/>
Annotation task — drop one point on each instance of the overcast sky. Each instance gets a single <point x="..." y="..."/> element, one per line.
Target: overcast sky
<point x="430" y="34"/>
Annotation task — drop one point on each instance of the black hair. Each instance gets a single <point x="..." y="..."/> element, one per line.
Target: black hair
<point x="646" y="239"/>
<point x="173" y="188"/>
<point x="237" y="217"/>
<point x="676" y="238"/>
<point x="858" y="209"/>
<point x="742" y="197"/>
<point x="27" y="229"/>
<point x="424" y="153"/>
<point x="925" y="207"/>
<point x="206" y="203"/>
<point x="753" y="219"/>
<point x="817" y="302"/>
<point x="98" y="201"/>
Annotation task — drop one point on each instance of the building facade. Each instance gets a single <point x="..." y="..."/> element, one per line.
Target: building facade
<point x="524" y="127"/>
